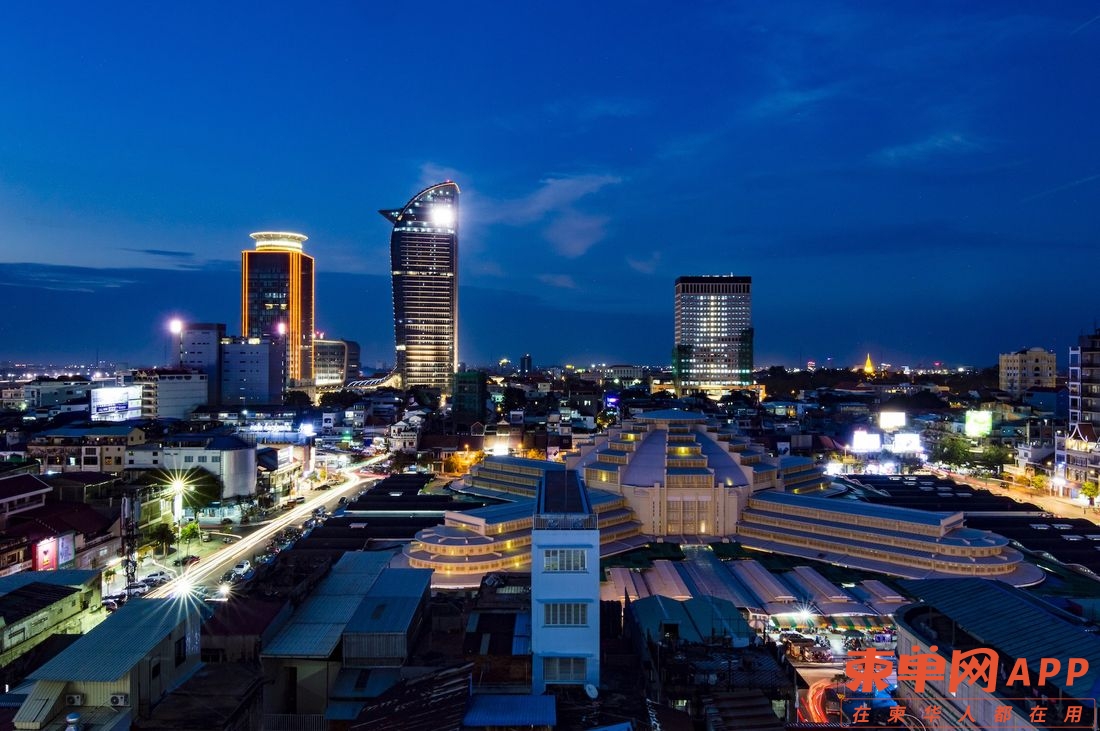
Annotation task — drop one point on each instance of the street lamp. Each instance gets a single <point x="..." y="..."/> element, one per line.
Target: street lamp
<point x="178" y="488"/>
<point x="175" y="326"/>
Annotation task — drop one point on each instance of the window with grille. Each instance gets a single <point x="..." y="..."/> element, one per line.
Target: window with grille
<point x="564" y="669"/>
<point x="564" y="559"/>
<point x="565" y="614"/>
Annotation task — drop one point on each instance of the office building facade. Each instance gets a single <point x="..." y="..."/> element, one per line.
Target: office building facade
<point x="713" y="336"/>
<point x="277" y="299"/>
<point x="200" y="350"/>
<point x="1077" y="454"/>
<point x="335" y="362"/>
<point x="424" y="261"/>
<point x="1026" y="369"/>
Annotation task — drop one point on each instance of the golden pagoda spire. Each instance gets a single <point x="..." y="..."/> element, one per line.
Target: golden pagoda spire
<point x="868" y="366"/>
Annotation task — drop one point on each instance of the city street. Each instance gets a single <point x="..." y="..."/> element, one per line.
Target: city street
<point x="1059" y="506"/>
<point x="254" y="539"/>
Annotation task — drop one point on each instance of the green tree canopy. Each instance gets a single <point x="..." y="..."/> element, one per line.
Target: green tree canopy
<point x="297" y="400"/>
<point x="162" y="534"/>
<point x="190" y="532"/>
<point x="340" y="399"/>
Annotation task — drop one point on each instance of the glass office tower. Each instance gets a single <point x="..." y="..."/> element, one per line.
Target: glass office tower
<point x="277" y="296"/>
<point x="424" y="260"/>
<point x="713" y="331"/>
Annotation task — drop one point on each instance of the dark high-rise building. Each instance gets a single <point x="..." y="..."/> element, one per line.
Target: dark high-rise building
<point x="713" y="340"/>
<point x="468" y="404"/>
<point x="525" y="365"/>
<point x="252" y="371"/>
<point x="200" y="350"/>
<point x="424" y="260"/>
<point x="277" y="299"/>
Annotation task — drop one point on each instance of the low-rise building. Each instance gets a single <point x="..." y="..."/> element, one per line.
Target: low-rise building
<point x="361" y="616"/>
<point x="229" y="458"/>
<point x="965" y="615"/>
<point x="81" y="449"/>
<point x="115" y="674"/>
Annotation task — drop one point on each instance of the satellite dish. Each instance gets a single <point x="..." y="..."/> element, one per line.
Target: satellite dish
<point x="591" y="691"/>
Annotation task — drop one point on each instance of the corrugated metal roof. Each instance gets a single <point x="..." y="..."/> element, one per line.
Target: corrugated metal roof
<point x="853" y="507"/>
<point x="402" y="582"/>
<point x="64" y="577"/>
<point x="1015" y="623"/>
<point x="118" y="643"/>
<point x="342" y="710"/>
<point x="511" y="710"/>
<point x="304" y="639"/>
<point x="314" y="630"/>
<point x="383" y="614"/>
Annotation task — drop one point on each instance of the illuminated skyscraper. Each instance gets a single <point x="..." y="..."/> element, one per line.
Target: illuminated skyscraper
<point x="277" y="299"/>
<point x="713" y="332"/>
<point x="424" y="260"/>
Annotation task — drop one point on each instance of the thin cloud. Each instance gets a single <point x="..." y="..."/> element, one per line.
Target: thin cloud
<point x="602" y="108"/>
<point x="1084" y="25"/>
<point x="937" y="145"/>
<point x="556" y="194"/>
<point x="554" y="206"/>
<point x="562" y="281"/>
<point x="790" y="101"/>
<point x="645" y="266"/>
<point x="573" y="233"/>
<point x="166" y="253"/>
<point x="432" y="173"/>
<point x="1060" y="188"/>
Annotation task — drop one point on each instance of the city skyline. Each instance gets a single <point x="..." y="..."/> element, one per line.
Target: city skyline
<point x="914" y="181"/>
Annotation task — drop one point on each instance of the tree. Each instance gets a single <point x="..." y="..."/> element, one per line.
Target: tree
<point x="1090" y="490"/>
<point x="994" y="456"/>
<point x="952" y="450"/>
<point x="340" y="399"/>
<point x="190" y="532"/>
<point x="1040" y="482"/>
<point x="162" y="534"/>
<point x="297" y="400"/>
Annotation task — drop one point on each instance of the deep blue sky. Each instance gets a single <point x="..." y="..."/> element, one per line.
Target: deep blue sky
<point x="919" y="180"/>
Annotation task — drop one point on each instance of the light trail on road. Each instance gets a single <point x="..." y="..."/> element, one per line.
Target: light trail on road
<point x="252" y="544"/>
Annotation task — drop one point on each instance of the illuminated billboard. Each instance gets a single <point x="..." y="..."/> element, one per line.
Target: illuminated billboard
<point x="864" y="442"/>
<point x="906" y="443"/>
<point x="891" y="420"/>
<point x="116" y="403"/>
<point x="978" y="423"/>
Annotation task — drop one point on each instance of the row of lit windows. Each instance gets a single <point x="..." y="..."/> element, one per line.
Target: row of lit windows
<point x="565" y="560"/>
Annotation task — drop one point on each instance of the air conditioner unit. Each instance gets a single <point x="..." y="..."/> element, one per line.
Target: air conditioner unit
<point x="74" y="699"/>
<point x="120" y="699"/>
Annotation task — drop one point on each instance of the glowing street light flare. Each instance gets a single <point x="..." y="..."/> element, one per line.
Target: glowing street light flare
<point x="175" y="326"/>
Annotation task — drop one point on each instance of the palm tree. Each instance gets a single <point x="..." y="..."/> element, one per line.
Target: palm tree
<point x="162" y="534"/>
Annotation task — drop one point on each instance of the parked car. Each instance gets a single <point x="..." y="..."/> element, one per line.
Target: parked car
<point x="157" y="578"/>
<point x="242" y="568"/>
<point x="186" y="561"/>
<point x="205" y="537"/>
<point x="137" y="588"/>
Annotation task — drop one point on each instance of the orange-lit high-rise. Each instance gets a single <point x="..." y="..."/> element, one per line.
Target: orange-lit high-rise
<point x="277" y="298"/>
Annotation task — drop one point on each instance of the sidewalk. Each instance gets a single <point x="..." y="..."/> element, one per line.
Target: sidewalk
<point x="1060" y="506"/>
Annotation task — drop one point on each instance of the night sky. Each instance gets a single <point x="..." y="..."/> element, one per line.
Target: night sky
<point x="917" y="180"/>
